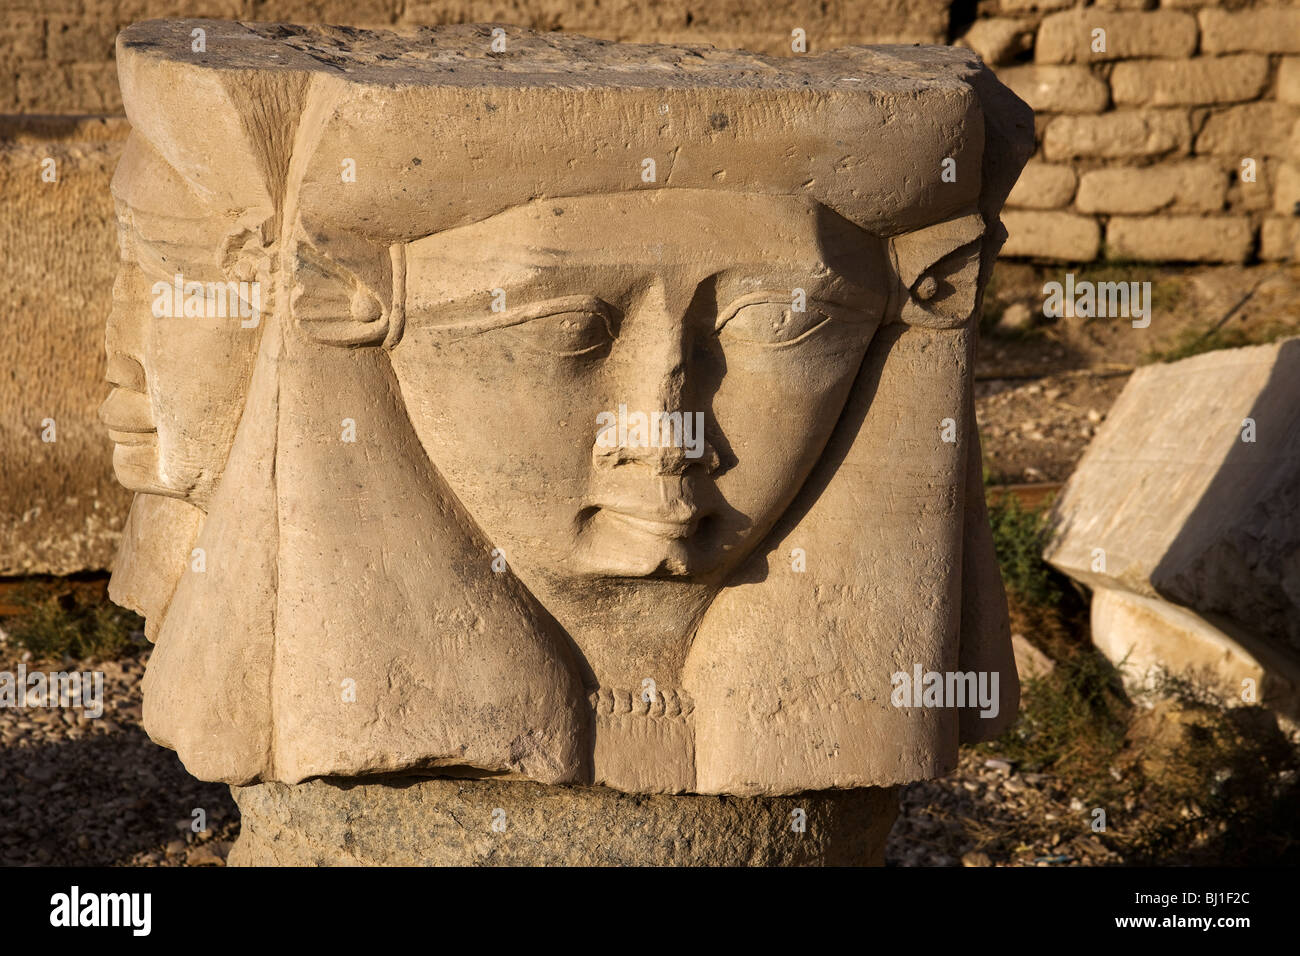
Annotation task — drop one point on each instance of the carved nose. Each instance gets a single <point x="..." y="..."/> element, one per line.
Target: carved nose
<point x="656" y="428"/>
<point x="125" y="371"/>
<point x="127" y="329"/>
<point x="661" y="461"/>
<point x="658" y="360"/>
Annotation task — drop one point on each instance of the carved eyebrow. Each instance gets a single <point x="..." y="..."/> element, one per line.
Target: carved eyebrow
<point x="159" y="258"/>
<point x="785" y="297"/>
<point x="829" y="286"/>
<point x="431" y="297"/>
<point x="520" y="315"/>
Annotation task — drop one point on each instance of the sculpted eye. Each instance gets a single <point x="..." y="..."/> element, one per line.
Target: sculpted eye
<point x="575" y="325"/>
<point x="766" y="319"/>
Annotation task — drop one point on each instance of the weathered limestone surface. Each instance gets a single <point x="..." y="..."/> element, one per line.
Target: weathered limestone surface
<point x="1279" y="237"/>
<point x="1057" y="89"/>
<point x="1149" y="636"/>
<point x="1180" y="238"/>
<point x="1000" y="39"/>
<point x="1118" y="135"/>
<point x="1288" y="80"/>
<point x="1043" y="186"/>
<point x="1262" y="128"/>
<point x="1220" y="79"/>
<point x="382" y="523"/>
<point x="1052" y="235"/>
<point x="1027" y="6"/>
<point x="1067" y="37"/>
<point x="1286" y="193"/>
<point x="1196" y="186"/>
<point x="58" y="54"/>
<point x="1274" y="29"/>
<point x="411" y="821"/>
<point x="1188" y="496"/>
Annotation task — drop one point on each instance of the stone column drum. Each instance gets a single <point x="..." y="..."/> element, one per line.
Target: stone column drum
<point x="556" y="451"/>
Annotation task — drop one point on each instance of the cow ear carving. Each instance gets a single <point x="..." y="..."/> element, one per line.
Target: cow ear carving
<point x="337" y="305"/>
<point x="937" y="270"/>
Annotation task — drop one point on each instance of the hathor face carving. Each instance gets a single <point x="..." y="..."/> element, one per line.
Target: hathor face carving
<point x="452" y="365"/>
<point x="679" y="301"/>
<point x="179" y="374"/>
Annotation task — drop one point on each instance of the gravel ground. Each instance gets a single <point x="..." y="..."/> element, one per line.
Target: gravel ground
<point x="76" y="791"/>
<point x="987" y="814"/>
<point x="1237" y="299"/>
<point x="1043" y="389"/>
<point x="1037" y="431"/>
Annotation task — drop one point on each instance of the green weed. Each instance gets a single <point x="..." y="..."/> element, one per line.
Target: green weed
<point x="1019" y="536"/>
<point x="1197" y="341"/>
<point x="72" y="625"/>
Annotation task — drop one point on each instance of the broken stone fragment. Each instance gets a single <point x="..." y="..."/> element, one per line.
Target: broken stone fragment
<point x="1184" y="509"/>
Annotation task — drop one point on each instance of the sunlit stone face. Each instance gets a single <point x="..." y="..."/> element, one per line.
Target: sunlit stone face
<point x="662" y="401"/>
<point x="179" y="375"/>
<point x="546" y="414"/>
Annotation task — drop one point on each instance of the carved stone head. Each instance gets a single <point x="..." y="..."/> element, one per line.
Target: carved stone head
<point x="606" y="417"/>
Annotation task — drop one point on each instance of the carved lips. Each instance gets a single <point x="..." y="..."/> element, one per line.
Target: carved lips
<point x="128" y="418"/>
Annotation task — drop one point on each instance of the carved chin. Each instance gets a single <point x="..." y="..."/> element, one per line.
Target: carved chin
<point x="136" y="467"/>
<point x="622" y="546"/>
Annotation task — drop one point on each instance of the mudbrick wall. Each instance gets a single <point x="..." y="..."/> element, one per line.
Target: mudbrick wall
<point x="1164" y="133"/>
<point x="1172" y="137"/>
